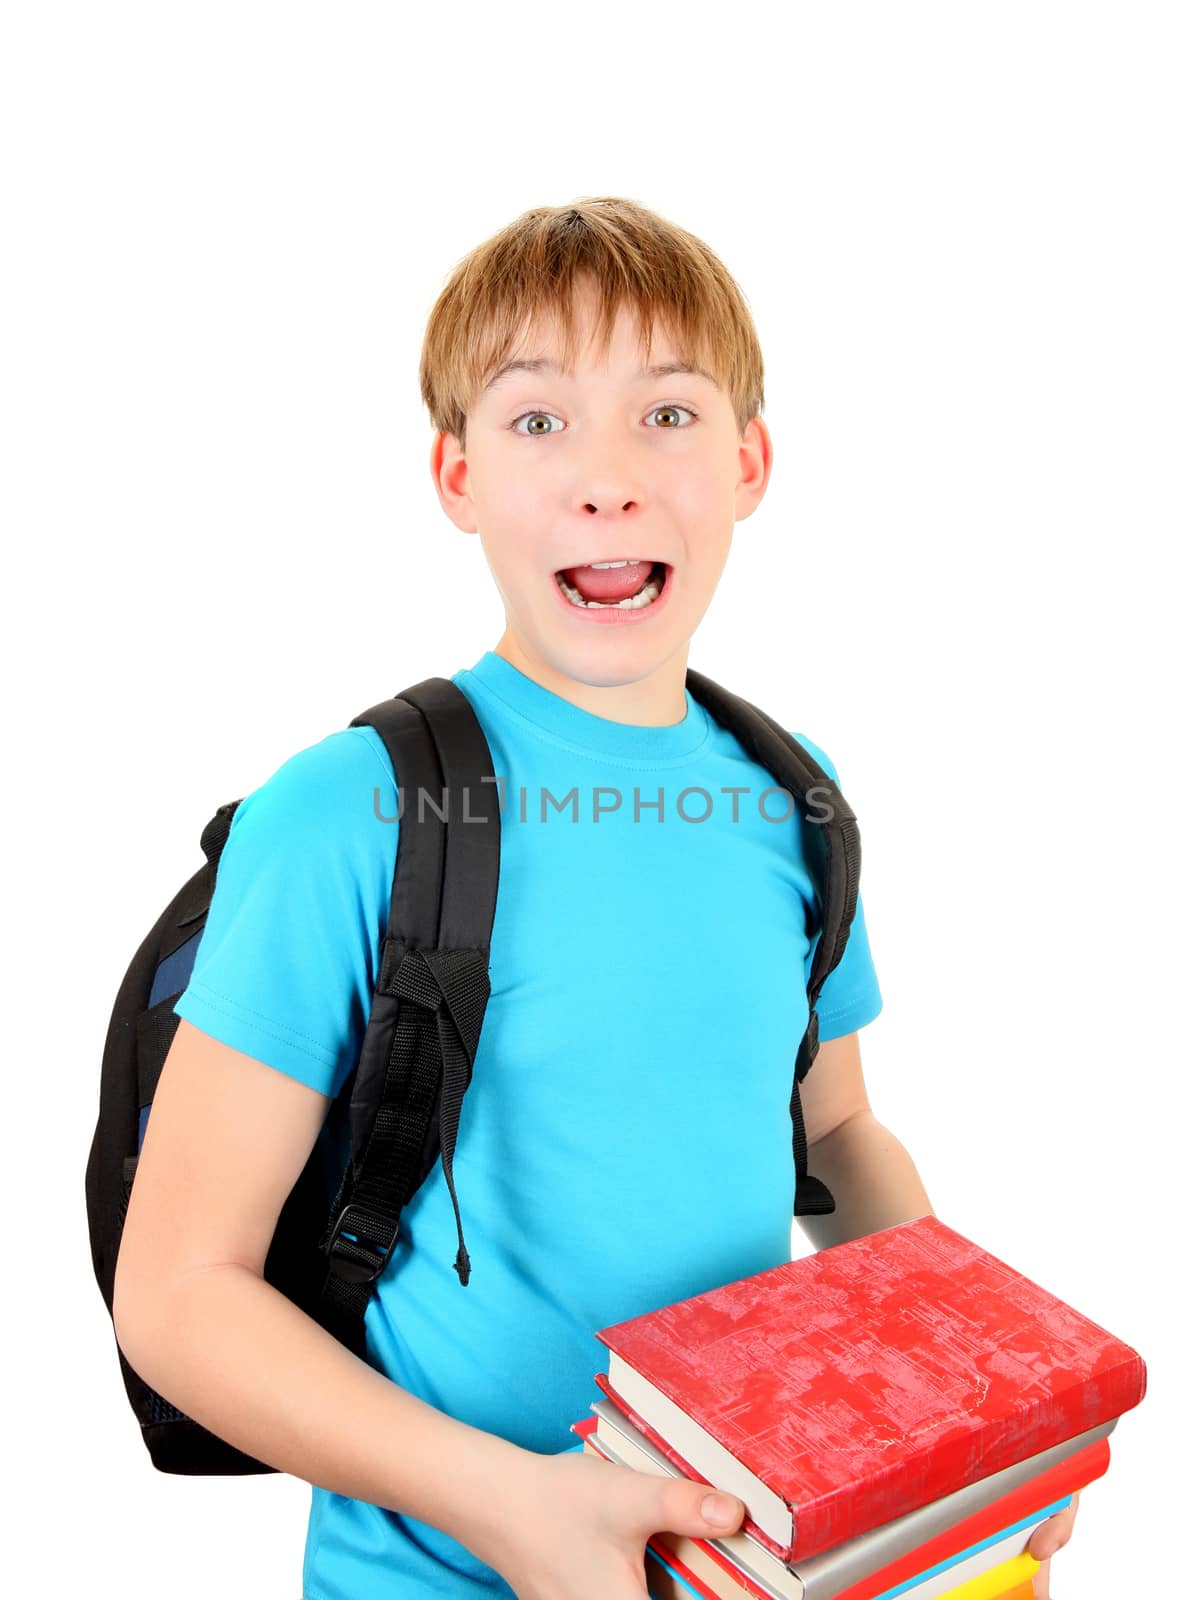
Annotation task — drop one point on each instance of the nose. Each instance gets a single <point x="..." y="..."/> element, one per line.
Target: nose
<point x="606" y="472"/>
<point x="602" y="507"/>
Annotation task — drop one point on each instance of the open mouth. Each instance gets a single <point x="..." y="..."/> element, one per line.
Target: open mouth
<point x="644" y="595"/>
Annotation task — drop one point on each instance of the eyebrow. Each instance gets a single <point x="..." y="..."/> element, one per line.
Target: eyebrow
<point x="535" y="364"/>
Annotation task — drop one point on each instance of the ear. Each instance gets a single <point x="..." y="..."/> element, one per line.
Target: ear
<point x="756" y="456"/>
<point x="452" y="480"/>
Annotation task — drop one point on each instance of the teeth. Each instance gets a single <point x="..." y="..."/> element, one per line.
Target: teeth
<point x="646" y="595"/>
<point x="604" y="566"/>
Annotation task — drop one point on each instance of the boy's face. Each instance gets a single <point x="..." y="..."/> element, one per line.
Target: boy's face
<point x="603" y="464"/>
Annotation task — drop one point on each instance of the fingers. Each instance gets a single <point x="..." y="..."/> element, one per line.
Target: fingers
<point x="1052" y="1534"/>
<point x="1041" y="1582"/>
<point x="1046" y="1538"/>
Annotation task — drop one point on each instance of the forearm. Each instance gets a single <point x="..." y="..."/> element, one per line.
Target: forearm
<point x="237" y="1356"/>
<point x="872" y="1178"/>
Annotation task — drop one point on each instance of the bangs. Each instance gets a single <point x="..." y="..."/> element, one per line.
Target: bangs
<point x="674" y="286"/>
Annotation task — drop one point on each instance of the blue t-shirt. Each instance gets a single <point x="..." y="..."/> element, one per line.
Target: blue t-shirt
<point x="626" y="1140"/>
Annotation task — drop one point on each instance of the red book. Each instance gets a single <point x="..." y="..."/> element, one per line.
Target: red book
<point x="837" y="1392"/>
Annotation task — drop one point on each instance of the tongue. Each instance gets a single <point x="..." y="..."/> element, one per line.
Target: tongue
<point x="612" y="583"/>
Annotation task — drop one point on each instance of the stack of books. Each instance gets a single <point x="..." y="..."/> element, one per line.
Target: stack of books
<point x="898" y="1413"/>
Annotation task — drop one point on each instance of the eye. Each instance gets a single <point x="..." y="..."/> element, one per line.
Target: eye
<point x="538" y="416"/>
<point x="542" y="418"/>
<point x="660" y="410"/>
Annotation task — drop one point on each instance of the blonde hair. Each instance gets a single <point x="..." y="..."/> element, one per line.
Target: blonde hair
<point x="633" y="256"/>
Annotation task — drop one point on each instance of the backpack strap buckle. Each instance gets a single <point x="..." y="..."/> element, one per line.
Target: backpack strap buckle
<point x="363" y="1258"/>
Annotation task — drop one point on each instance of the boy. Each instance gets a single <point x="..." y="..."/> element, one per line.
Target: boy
<point x="626" y="1139"/>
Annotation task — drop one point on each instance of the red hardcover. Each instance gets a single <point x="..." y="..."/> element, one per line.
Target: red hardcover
<point x="874" y="1376"/>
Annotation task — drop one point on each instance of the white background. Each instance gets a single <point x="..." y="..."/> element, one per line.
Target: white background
<point x="968" y="236"/>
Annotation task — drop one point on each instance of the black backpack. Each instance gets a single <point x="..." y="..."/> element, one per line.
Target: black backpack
<point x="400" y="1107"/>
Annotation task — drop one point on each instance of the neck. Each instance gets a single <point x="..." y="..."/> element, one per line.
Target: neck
<point x="655" y="701"/>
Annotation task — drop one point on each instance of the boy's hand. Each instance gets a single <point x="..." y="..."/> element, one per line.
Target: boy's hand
<point x="1045" y="1539"/>
<point x="575" y="1528"/>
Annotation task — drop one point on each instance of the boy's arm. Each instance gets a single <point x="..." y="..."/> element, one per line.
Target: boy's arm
<point x="195" y="1318"/>
<point x="869" y="1172"/>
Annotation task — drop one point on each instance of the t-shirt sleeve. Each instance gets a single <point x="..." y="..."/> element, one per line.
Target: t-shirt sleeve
<point x="851" y="997"/>
<point x="288" y="958"/>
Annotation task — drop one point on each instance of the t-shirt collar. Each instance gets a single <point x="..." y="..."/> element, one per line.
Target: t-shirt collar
<point x="567" y="722"/>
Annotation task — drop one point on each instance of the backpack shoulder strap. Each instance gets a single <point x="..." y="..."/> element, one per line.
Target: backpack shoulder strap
<point x="432" y="987"/>
<point x="839" y="847"/>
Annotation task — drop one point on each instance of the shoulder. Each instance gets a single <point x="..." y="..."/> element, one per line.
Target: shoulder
<point x="323" y="789"/>
<point x="818" y="755"/>
<point x="323" y="824"/>
<point x="288" y="954"/>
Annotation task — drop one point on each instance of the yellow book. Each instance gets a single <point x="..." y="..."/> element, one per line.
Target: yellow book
<point x="1008" y="1581"/>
